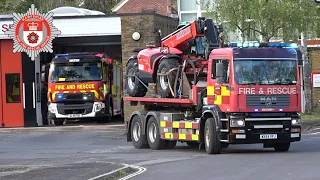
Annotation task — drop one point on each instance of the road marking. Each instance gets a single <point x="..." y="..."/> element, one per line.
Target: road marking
<point x="315" y="133"/>
<point x="111" y="172"/>
<point x="140" y="171"/>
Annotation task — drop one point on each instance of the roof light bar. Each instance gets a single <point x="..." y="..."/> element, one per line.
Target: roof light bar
<point x="257" y="44"/>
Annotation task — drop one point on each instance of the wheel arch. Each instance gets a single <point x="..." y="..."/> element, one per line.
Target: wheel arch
<point x="212" y="111"/>
<point x="133" y="57"/>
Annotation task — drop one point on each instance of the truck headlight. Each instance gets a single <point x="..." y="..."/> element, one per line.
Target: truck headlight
<point x="52" y="108"/>
<point x="98" y="107"/>
<point x="237" y="123"/>
<point x="295" y="122"/>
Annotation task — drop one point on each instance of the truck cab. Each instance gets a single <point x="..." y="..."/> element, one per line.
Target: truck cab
<point x="257" y="88"/>
<point x="84" y="85"/>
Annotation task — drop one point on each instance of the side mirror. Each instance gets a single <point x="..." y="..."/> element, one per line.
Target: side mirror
<point x="220" y="73"/>
<point x="43" y="68"/>
<point x="110" y="75"/>
<point x="43" y="78"/>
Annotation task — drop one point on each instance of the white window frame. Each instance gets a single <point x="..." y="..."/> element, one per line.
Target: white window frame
<point x="187" y="12"/>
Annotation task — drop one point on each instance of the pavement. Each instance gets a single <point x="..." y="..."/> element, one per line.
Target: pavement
<point x="97" y="152"/>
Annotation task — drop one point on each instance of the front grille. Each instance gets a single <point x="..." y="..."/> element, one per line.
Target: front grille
<point x="263" y="101"/>
<point x="75" y="108"/>
<point x="79" y="97"/>
<point x="251" y="124"/>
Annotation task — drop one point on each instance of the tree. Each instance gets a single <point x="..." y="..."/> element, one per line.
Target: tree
<point x="268" y="18"/>
<point x="104" y="6"/>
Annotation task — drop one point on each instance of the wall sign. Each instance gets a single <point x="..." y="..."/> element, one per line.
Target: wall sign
<point x="315" y="79"/>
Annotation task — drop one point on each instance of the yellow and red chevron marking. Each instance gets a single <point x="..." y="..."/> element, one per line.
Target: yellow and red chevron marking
<point x="98" y="96"/>
<point x="222" y="95"/>
<point x="177" y="136"/>
<point x="180" y="124"/>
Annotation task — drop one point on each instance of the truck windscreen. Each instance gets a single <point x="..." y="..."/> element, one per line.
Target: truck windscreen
<point x="75" y="72"/>
<point x="265" y="72"/>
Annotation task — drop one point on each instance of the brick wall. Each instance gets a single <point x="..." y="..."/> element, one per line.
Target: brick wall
<point x="314" y="54"/>
<point x="144" y="24"/>
<point x="137" y="6"/>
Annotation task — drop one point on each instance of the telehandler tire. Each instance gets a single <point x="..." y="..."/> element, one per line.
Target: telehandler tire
<point x="134" y="87"/>
<point x="162" y="81"/>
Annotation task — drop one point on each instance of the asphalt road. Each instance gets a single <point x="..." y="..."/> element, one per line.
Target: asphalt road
<point x="87" y="153"/>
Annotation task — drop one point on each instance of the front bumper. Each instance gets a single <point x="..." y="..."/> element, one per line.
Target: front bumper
<point x="75" y="111"/>
<point x="286" y="135"/>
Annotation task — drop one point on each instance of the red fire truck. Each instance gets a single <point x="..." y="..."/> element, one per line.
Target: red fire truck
<point x="84" y="85"/>
<point x="242" y="94"/>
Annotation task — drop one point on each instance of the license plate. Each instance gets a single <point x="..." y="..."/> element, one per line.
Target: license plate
<point x="74" y="115"/>
<point x="268" y="136"/>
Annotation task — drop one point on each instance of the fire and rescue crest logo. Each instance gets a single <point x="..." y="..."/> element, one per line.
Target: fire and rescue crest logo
<point x="33" y="32"/>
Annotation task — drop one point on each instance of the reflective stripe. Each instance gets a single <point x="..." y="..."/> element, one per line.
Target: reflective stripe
<point x="177" y="136"/>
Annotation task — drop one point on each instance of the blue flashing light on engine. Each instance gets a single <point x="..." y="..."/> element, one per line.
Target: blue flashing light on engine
<point x="59" y="96"/>
<point x="257" y="44"/>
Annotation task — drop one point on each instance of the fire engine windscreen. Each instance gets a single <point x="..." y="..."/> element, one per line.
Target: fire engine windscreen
<point x="265" y="72"/>
<point x="75" y="72"/>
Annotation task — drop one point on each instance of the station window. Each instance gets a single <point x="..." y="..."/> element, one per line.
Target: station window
<point x="13" y="88"/>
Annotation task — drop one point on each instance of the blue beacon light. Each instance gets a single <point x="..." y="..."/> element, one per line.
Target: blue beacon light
<point x="257" y="44"/>
<point x="59" y="96"/>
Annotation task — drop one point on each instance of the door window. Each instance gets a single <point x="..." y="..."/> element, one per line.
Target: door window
<point x="13" y="88"/>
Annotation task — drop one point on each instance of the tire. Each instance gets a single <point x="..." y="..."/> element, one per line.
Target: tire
<point x="122" y="111"/>
<point x="133" y="85"/>
<point x="58" y="122"/>
<point x="211" y="137"/>
<point x="138" y="141"/>
<point x="171" y="144"/>
<point x="162" y="81"/>
<point x="153" y="136"/>
<point x="281" y="147"/>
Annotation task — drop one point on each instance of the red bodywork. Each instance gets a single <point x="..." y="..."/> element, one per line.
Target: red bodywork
<point x="148" y="58"/>
<point x="235" y="100"/>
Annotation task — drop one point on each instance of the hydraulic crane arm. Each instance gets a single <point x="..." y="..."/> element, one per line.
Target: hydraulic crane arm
<point x="201" y="27"/>
<point x="182" y="36"/>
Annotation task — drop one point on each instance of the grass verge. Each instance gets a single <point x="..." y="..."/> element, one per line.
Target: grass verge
<point x="311" y="119"/>
<point x="120" y="174"/>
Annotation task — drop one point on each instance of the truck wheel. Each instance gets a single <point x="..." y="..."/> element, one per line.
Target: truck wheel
<point x="134" y="87"/>
<point x="138" y="140"/>
<point x="162" y="81"/>
<point x="154" y="140"/>
<point x="281" y="147"/>
<point x="211" y="137"/>
<point x="171" y="144"/>
<point x="58" y="122"/>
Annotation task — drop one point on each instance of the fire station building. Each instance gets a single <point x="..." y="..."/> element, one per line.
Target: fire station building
<point x="81" y="31"/>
